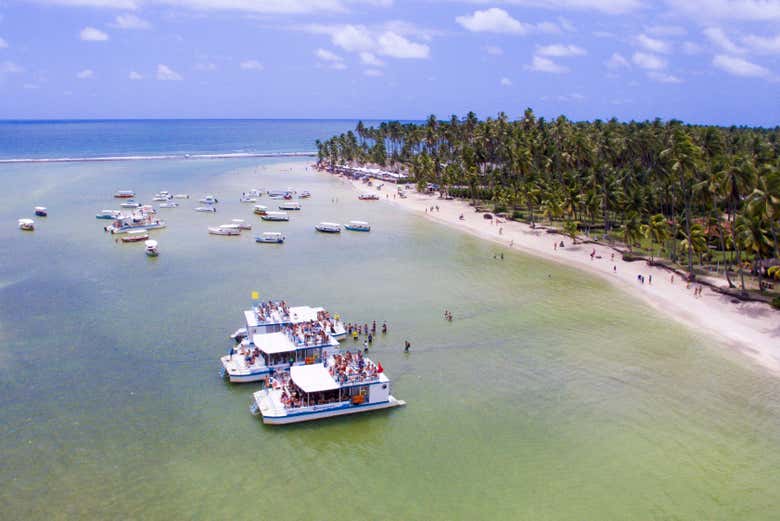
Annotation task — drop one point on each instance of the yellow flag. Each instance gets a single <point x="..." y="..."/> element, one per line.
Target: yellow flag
<point x="255" y="295"/>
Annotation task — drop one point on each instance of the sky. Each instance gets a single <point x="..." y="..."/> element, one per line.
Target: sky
<point x="701" y="61"/>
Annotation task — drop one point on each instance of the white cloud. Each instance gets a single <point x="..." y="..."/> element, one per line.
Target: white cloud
<point x="493" y="50"/>
<point x="740" y="67"/>
<point x="3" y="44"/>
<point x="369" y="58"/>
<point x="560" y="50"/>
<point x="135" y="76"/>
<point x="90" y="34"/>
<point x="328" y="56"/>
<point x="653" y="44"/>
<point x="733" y="10"/>
<point x="667" y="30"/>
<point x="86" y="74"/>
<point x="764" y="45"/>
<point x="165" y="73"/>
<point x="648" y="61"/>
<point x="395" y="45"/>
<point x="663" y="77"/>
<point x="617" y="61"/>
<point x="717" y="36"/>
<point x="353" y="38"/>
<point x="505" y="82"/>
<point x="541" y="64"/>
<point x="493" y="20"/>
<point x="373" y="72"/>
<point x="251" y="65"/>
<point x="130" y="21"/>
<point x="250" y="6"/>
<point x="8" y="67"/>
<point x="604" y="6"/>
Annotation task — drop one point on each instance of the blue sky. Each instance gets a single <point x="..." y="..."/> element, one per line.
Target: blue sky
<point x="707" y="61"/>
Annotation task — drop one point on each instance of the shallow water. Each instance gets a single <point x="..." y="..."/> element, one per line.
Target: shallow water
<point x="551" y="396"/>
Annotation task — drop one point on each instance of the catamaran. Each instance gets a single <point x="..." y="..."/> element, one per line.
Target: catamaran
<point x="343" y="384"/>
<point x="270" y="317"/>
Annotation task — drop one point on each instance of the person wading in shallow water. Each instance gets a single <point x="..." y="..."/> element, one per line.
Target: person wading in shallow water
<point x="407" y="345"/>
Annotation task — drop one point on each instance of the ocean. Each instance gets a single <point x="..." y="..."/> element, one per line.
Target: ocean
<point x="551" y="395"/>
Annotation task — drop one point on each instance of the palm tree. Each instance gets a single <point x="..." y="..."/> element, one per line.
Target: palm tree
<point x="656" y="229"/>
<point x="695" y="241"/>
<point x="631" y="230"/>
<point x="570" y="229"/>
<point x="765" y="200"/>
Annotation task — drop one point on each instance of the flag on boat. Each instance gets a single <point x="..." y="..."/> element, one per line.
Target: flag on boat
<point x="379" y="367"/>
<point x="255" y="295"/>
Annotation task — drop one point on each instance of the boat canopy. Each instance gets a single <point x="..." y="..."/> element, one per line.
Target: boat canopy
<point x="273" y="343"/>
<point x="312" y="378"/>
<point x="26" y="221"/>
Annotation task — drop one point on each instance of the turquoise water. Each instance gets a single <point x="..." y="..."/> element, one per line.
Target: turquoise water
<point x="550" y="396"/>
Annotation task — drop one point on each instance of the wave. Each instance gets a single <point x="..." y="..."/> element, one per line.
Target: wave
<point x="230" y="155"/>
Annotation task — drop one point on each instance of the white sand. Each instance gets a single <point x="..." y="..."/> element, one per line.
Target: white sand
<point x="752" y="328"/>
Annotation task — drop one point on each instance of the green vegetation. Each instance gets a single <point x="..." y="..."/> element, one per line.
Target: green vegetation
<point x="695" y="195"/>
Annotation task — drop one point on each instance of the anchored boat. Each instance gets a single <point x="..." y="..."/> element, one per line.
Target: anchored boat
<point x="259" y="209"/>
<point x="326" y="227"/>
<point x="27" y="225"/>
<point x="242" y="224"/>
<point x="358" y="226"/>
<point x="108" y="214"/>
<point x="136" y="236"/>
<point x="151" y="248"/>
<point x="124" y="194"/>
<point x="290" y="205"/>
<point x="270" y="238"/>
<point x="275" y="216"/>
<point x="41" y="211"/>
<point x="225" y="229"/>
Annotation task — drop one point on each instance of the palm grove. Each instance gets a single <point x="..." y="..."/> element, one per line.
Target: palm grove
<point x="694" y="194"/>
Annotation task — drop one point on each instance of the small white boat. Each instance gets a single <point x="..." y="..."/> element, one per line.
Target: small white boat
<point x="205" y="209"/>
<point x="130" y="204"/>
<point x="136" y="236"/>
<point x="304" y="195"/>
<point x="27" y="225"/>
<point x="255" y="192"/>
<point x="225" y="229"/>
<point x="290" y="205"/>
<point x="151" y="248"/>
<point x="368" y="197"/>
<point x="247" y="199"/>
<point x="275" y="216"/>
<point x="358" y="226"/>
<point x="124" y="194"/>
<point x="326" y="227"/>
<point x="169" y="204"/>
<point x="259" y="209"/>
<point x="209" y="199"/>
<point x="343" y="384"/>
<point x="242" y="224"/>
<point x="108" y="214"/>
<point x="160" y="198"/>
<point x="41" y="211"/>
<point x="270" y="238"/>
<point x="181" y="196"/>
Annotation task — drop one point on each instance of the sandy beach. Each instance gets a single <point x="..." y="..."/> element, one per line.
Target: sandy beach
<point x="751" y="328"/>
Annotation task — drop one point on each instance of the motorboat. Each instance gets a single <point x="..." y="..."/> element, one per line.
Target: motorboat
<point x="275" y="216"/>
<point x="169" y="204"/>
<point x="326" y="227"/>
<point x="137" y="221"/>
<point x="270" y="238"/>
<point x="247" y="199"/>
<point x="151" y="248"/>
<point x="159" y="197"/>
<point x="259" y="209"/>
<point x="278" y="194"/>
<point x="225" y="229"/>
<point x="205" y="209"/>
<point x="41" y="211"/>
<point x="290" y="205"/>
<point x="108" y="214"/>
<point x="136" y="235"/>
<point x="124" y="194"/>
<point x="27" y="225"/>
<point x="209" y="199"/>
<point x="181" y="196"/>
<point x="130" y="204"/>
<point x="343" y="384"/>
<point x="358" y="226"/>
<point x="242" y="224"/>
<point x="368" y="197"/>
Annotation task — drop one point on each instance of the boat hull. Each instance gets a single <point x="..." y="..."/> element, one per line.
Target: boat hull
<point x="356" y="228"/>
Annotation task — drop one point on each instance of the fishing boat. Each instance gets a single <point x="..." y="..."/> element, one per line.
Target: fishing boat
<point x="275" y="216"/>
<point x="368" y="197"/>
<point x="242" y="224"/>
<point x="124" y="194"/>
<point x="108" y="214"/>
<point x="270" y="238"/>
<point x="304" y="195"/>
<point x="130" y="204"/>
<point x="151" y="248"/>
<point x="209" y="199"/>
<point x="205" y="209"/>
<point x="326" y="227"/>
<point x="290" y="205"/>
<point x="181" y="196"/>
<point x="136" y="236"/>
<point x="259" y="209"/>
<point x="169" y="204"/>
<point x="247" y="199"/>
<point x="225" y="229"/>
<point x="41" y="211"/>
<point x="344" y="384"/>
<point x="358" y="226"/>
<point x="27" y="225"/>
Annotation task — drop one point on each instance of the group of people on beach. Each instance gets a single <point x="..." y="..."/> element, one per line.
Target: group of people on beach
<point x="448" y="314"/>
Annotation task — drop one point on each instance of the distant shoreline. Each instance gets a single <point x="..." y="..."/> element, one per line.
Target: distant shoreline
<point x="233" y="155"/>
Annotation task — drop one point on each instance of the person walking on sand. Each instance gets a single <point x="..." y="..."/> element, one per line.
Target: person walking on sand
<point x="614" y="268"/>
<point x="593" y="254"/>
<point x="555" y="246"/>
<point x="649" y="279"/>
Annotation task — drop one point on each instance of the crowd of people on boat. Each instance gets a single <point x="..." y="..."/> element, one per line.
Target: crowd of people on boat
<point x="312" y="333"/>
<point x="272" y="311"/>
<point x="353" y="368"/>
